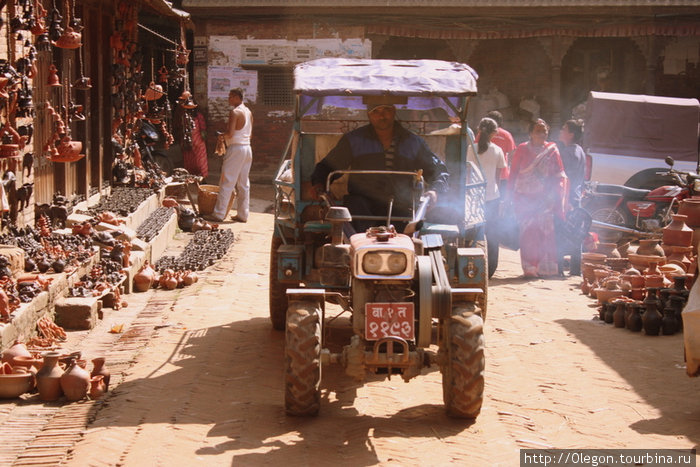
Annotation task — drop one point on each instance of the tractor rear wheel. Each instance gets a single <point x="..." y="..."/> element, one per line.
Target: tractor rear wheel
<point x="463" y="361"/>
<point x="302" y="380"/>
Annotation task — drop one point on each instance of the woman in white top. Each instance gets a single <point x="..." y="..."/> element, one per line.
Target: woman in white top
<point x="492" y="161"/>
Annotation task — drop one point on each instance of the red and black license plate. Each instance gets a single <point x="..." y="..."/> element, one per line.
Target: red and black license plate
<point x="389" y="320"/>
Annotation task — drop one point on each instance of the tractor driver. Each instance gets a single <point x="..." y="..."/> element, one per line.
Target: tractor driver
<point x="382" y="145"/>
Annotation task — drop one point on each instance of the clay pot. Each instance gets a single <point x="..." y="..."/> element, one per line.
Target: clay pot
<point x="690" y="208"/>
<point x="651" y="319"/>
<point x="97" y="387"/>
<point x="68" y="148"/>
<point x="143" y="280"/>
<point x="53" y="79"/>
<point x="653" y="280"/>
<point x="98" y="369"/>
<point x="608" y="249"/>
<point x="17" y="350"/>
<point x="15" y="384"/>
<point x="650" y="247"/>
<point x="70" y="39"/>
<point x="619" y="313"/>
<point x="678" y="256"/>
<point x="638" y="293"/>
<point x="31" y="363"/>
<point x="48" y="378"/>
<point x="75" y="382"/>
<point x="677" y="233"/>
<point x="634" y="318"/>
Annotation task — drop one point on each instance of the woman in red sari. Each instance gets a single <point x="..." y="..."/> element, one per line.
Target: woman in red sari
<point x="537" y="188"/>
<point x="194" y="151"/>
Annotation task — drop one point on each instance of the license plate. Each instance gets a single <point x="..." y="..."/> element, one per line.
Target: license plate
<point x="389" y="320"/>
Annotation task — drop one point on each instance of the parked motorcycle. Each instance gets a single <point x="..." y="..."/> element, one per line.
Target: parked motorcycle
<point x="620" y="212"/>
<point x="147" y="139"/>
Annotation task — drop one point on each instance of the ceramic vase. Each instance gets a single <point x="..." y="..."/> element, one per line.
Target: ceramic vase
<point x="650" y="247"/>
<point x="17" y="350"/>
<point x="619" y="313"/>
<point x="48" y="378"/>
<point x="690" y="208"/>
<point x="677" y="233"/>
<point x="98" y="368"/>
<point x="75" y="382"/>
<point x="669" y="326"/>
<point x="97" y="387"/>
<point x="608" y="249"/>
<point x="634" y="320"/>
<point x="651" y="319"/>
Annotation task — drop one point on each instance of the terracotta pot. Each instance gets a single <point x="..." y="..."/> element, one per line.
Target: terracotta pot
<point x="17" y="350"/>
<point x="97" y="387"/>
<point x="651" y="319"/>
<point x="690" y="208"/>
<point x="15" y="384"/>
<point x="143" y="280"/>
<point x="98" y="369"/>
<point x="650" y="247"/>
<point x="677" y="233"/>
<point x="70" y="39"/>
<point x="31" y="363"/>
<point x="638" y="293"/>
<point x="608" y="249"/>
<point x="75" y="382"/>
<point x="678" y="256"/>
<point x="654" y="280"/>
<point x="48" y="378"/>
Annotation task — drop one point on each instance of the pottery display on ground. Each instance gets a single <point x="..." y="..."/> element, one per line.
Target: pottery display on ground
<point x="18" y="349"/>
<point x="100" y="369"/>
<point x="649" y="247"/>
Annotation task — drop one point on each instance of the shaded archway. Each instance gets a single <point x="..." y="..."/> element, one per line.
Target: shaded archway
<point x="518" y="69"/>
<point x="600" y="64"/>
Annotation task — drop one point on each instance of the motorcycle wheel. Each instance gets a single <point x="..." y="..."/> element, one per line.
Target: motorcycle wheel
<point x="609" y="215"/>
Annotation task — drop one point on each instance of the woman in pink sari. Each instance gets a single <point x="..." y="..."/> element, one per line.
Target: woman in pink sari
<point x="537" y="188"/>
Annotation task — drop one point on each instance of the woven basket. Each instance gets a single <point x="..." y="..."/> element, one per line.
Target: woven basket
<point x="206" y="199"/>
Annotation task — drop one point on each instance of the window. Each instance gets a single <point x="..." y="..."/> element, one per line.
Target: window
<point x="276" y="87"/>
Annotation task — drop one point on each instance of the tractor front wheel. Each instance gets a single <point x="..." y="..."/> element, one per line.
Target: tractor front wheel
<point x="302" y="381"/>
<point x="463" y="361"/>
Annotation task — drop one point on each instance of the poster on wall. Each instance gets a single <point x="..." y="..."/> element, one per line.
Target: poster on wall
<point x="224" y="78"/>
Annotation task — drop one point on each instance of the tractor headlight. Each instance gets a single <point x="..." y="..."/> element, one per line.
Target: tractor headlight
<point x="396" y="263"/>
<point x="384" y="263"/>
<point x="372" y="263"/>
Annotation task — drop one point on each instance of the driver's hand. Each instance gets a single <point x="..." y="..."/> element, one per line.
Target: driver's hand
<point x="433" y="197"/>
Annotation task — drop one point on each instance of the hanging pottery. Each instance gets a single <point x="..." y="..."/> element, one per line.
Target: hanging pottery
<point x="70" y="39"/>
<point x="182" y="55"/>
<point x="53" y="79"/>
<point x="153" y="92"/>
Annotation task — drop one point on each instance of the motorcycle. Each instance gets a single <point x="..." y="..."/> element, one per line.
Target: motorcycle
<point x="619" y="212"/>
<point x="147" y="139"/>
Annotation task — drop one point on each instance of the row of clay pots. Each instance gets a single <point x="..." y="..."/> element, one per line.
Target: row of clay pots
<point x="52" y="380"/>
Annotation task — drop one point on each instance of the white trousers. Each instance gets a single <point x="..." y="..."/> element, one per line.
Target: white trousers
<point x="234" y="174"/>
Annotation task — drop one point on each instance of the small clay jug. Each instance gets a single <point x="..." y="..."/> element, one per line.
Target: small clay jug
<point x="634" y="320"/>
<point x="669" y="326"/>
<point x="678" y="303"/>
<point x="98" y="368"/>
<point x="609" y="313"/>
<point x="651" y="319"/>
<point x="619" y="313"/>
<point x="650" y="247"/>
<point x="677" y="233"/>
<point x="97" y="387"/>
<point x="48" y="378"/>
<point x="75" y="381"/>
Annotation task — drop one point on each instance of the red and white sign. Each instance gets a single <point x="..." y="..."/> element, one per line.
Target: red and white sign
<point x="389" y="320"/>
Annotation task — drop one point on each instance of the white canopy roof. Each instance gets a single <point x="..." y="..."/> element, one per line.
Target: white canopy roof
<point x="371" y="77"/>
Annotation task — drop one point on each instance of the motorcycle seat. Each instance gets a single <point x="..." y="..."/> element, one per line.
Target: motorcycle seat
<point x="625" y="191"/>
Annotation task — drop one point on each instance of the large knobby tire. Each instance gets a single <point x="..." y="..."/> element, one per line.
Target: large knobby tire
<point x="277" y="290"/>
<point x="302" y="380"/>
<point x="463" y="362"/>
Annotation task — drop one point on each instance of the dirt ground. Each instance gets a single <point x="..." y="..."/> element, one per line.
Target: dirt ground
<point x="205" y="387"/>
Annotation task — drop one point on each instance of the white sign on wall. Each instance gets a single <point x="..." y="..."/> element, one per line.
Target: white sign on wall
<point x="224" y="78"/>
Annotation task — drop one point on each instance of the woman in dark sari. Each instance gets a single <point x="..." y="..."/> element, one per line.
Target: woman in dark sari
<point x="537" y="187"/>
